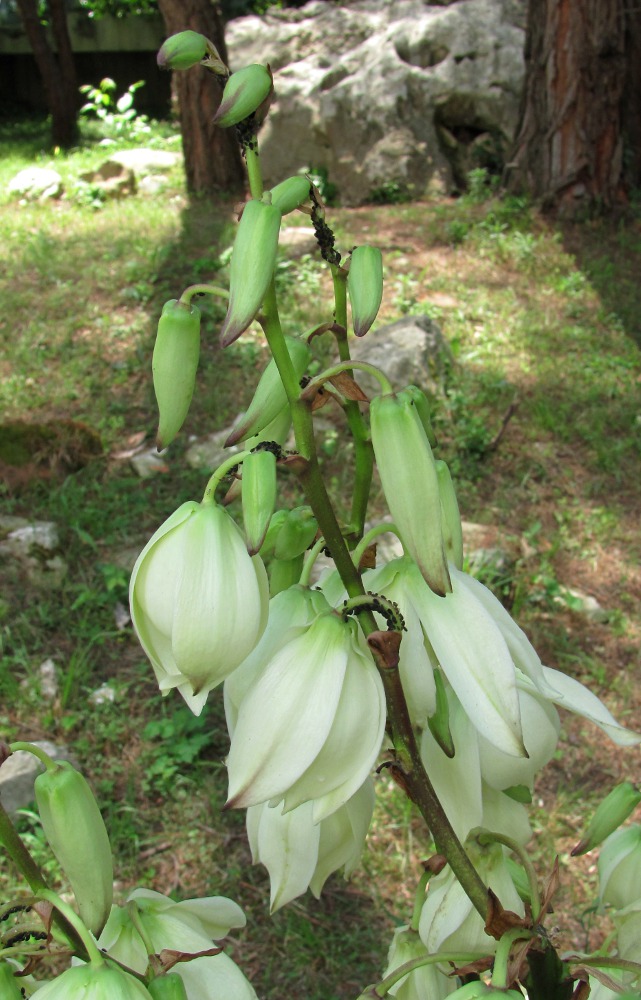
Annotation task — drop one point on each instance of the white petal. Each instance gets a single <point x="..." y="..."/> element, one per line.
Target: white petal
<point x="288" y="847"/>
<point x="476" y="661"/>
<point x="214" y="978"/>
<point x="571" y="694"/>
<point x="354" y="739"/>
<point x="216" y="914"/>
<point x="456" y="780"/>
<point x="285" y="718"/>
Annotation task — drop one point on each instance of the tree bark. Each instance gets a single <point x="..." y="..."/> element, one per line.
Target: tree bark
<point x="568" y="151"/>
<point x="57" y="70"/>
<point x="212" y="155"/>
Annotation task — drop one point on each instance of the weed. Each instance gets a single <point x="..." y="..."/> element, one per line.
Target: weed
<point x="117" y="115"/>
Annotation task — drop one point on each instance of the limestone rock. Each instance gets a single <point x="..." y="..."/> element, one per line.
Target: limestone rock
<point x="411" y="351"/>
<point x="111" y="179"/>
<point x="146" y="161"/>
<point x="19" y="772"/>
<point x="409" y="94"/>
<point x="36" y="184"/>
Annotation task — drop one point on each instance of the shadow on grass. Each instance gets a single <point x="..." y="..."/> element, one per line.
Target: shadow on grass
<point x="608" y="252"/>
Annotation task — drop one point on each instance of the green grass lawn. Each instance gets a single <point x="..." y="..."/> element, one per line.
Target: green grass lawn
<point x="538" y="415"/>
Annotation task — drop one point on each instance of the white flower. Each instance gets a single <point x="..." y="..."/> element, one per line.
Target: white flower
<point x="97" y="982"/>
<point x="426" y="982"/>
<point x="311" y="724"/>
<point x="619" y="867"/>
<point x="214" y="977"/>
<point x="190" y="926"/>
<point x="448" y="920"/>
<point x="458" y="632"/>
<point x="300" y="854"/>
<point x="198" y="600"/>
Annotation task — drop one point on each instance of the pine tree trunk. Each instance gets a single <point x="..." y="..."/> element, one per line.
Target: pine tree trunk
<point x="58" y="71"/>
<point x="569" y="147"/>
<point x="212" y="156"/>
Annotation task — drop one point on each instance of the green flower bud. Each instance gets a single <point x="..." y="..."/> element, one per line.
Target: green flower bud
<point x="410" y="483"/>
<point x="284" y="573"/>
<point x="183" y="50"/>
<point x="296" y="534"/>
<point x="365" y="287"/>
<point x="258" y="496"/>
<point x="244" y="93"/>
<point x="174" y="365"/>
<point x="169" y="987"/>
<point x="94" y="982"/>
<point x="78" y="837"/>
<point x="291" y="193"/>
<point x="252" y="266"/>
<point x="270" y="398"/>
<point x="611" y="813"/>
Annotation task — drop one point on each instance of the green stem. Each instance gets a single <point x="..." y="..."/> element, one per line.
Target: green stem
<point x="349" y="366"/>
<point x="516" y="848"/>
<point x="220" y="473"/>
<point x="254" y="174"/>
<point x="413" y="777"/>
<point x="385" y="528"/>
<point x="17" y="851"/>
<point x="382" y="989"/>
<point x="419" y="900"/>
<point x="92" y="951"/>
<point x="38" y="752"/>
<point x="501" y="959"/>
<point x="189" y="293"/>
<point x="310" y="559"/>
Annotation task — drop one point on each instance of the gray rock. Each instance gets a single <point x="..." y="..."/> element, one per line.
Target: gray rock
<point x="407" y="94"/>
<point x="411" y="351"/>
<point x="152" y="184"/>
<point x="581" y="603"/>
<point x="31" y="546"/>
<point x="36" y="184"/>
<point x="19" y="772"/>
<point x="48" y="680"/>
<point x="297" y="241"/>
<point x="210" y="452"/>
<point x="111" y="179"/>
<point x="149" y="463"/>
<point x="146" y="161"/>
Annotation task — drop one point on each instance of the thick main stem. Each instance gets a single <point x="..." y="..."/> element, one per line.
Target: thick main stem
<point x="412" y="773"/>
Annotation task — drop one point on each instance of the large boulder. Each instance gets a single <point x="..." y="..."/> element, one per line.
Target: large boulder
<point x="402" y="97"/>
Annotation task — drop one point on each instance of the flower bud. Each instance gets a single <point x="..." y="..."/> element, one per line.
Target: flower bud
<point x="198" y="600"/>
<point x="270" y="398"/>
<point x="410" y="483"/>
<point x="450" y="515"/>
<point x="426" y="982"/>
<point x="258" y="496"/>
<point x="174" y="365"/>
<point x="78" y="837"/>
<point x="180" y="51"/>
<point x="297" y="533"/>
<point x="244" y="93"/>
<point x="610" y="814"/>
<point x="365" y="287"/>
<point x="168" y="987"/>
<point x="291" y="193"/>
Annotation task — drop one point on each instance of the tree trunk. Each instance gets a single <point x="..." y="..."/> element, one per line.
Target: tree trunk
<point x="58" y="70"/>
<point x="569" y="147"/>
<point x="212" y="155"/>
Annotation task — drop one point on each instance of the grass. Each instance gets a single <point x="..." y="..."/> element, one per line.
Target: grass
<point x="539" y="316"/>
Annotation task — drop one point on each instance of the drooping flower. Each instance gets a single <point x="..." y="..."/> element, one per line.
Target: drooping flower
<point x="189" y="926"/>
<point x="300" y="854"/>
<point x="448" y="919"/>
<point x="426" y="982"/>
<point x="198" y="600"/>
<point x="311" y="724"/>
<point x="102" y="981"/>
<point x="619" y="867"/>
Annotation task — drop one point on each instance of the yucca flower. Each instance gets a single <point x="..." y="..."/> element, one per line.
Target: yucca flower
<point x="198" y="600"/>
<point x="94" y="981"/>
<point x="190" y="926"/>
<point x="300" y="854"/>
<point x="426" y="982"/>
<point x="311" y="723"/>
